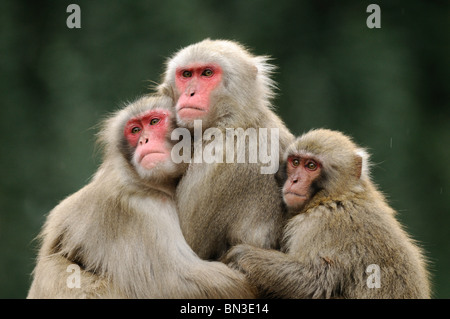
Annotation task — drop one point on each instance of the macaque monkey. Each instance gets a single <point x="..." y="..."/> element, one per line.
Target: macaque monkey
<point x="121" y="230"/>
<point x="342" y="240"/>
<point x="224" y="203"/>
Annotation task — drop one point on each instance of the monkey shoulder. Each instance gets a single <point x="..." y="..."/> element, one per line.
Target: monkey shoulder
<point x="92" y="213"/>
<point x="68" y="211"/>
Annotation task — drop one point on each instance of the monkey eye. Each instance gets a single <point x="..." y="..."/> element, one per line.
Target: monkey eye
<point x="186" y="74"/>
<point x="295" y="162"/>
<point x="135" y="130"/>
<point x="154" y="121"/>
<point x="311" y="165"/>
<point x="207" y="72"/>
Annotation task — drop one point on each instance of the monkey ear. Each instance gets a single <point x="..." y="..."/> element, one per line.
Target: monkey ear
<point x="166" y="90"/>
<point x="361" y="163"/>
<point x="255" y="69"/>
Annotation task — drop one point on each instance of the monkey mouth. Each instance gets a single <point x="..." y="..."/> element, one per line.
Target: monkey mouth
<point x="150" y="153"/>
<point x="191" y="107"/>
<point x="295" y="194"/>
<point x="151" y="159"/>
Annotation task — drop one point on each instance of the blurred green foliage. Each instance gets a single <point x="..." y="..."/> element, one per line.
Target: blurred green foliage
<point x="388" y="88"/>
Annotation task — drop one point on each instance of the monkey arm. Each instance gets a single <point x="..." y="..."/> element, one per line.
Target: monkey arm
<point x="53" y="279"/>
<point x="279" y="275"/>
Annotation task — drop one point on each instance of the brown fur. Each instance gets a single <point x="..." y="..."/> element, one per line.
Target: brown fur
<point x="329" y="244"/>
<point x="123" y="231"/>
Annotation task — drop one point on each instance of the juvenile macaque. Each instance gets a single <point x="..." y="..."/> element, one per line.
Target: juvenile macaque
<point x="223" y="204"/>
<point x="343" y="240"/>
<point x="121" y="230"/>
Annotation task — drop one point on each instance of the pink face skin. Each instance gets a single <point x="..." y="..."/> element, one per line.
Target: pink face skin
<point x="195" y="83"/>
<point x="301" y="171"/>
<point x="147" y="133"/>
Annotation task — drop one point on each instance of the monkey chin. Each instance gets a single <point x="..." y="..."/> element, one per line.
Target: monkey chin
<point x="157" y="165"/>
<point x="151" y="160"/>
<point x="160" y="171"/>
<point x="190" y="113"/>
<point x="294" y="201"/>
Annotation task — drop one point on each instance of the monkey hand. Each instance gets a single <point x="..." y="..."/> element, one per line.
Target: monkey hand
<point x="235" y="257"/>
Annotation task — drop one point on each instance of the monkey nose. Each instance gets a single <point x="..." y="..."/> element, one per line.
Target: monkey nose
<point x="143" y="140"/>
<point x="190" y="92"/>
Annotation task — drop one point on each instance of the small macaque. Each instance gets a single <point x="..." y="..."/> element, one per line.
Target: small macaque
<point x="342" y="239"/>
<point x="119" y="236"/>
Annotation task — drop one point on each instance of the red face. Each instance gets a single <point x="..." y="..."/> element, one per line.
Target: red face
<point x="195" y="83"/>
<point x="301" y="171"/>
<point x="147" y="134"/>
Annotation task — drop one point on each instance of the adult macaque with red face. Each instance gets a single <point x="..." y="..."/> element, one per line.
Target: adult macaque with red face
<point x="342" y="240"/>
<point x="121" y="231"/>
<point x="222" y="204"/>
<point x="196" y="82"/>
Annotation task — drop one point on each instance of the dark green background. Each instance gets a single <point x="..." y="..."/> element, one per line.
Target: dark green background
<point x="388" y="88"/>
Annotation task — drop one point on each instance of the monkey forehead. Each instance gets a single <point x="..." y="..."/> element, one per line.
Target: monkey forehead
<point x="199" y="66"/>
<point x="304" y="154"/>
<point x="147" y="115"/>
<point x="318" y="143"/>
<point x="219" y="52"/>
<point x="325" y="141"/>
<point x="148" y="103"/>
<point x="212" y="49"/>
<point x="201" y="59"/>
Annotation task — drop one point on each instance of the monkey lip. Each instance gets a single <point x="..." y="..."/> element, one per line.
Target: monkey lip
<point x="295" y="194"/>
<point x="143" y="155"/>
<point x="190" y="107"/>
<point x="189" y="112"/>
<point x="294" y="200"/>
<point x="149" y="160"/>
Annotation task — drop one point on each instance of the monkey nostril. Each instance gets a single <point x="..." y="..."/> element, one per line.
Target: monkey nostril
<point x="146" y="140"/>
<point x="192" y="94"/>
